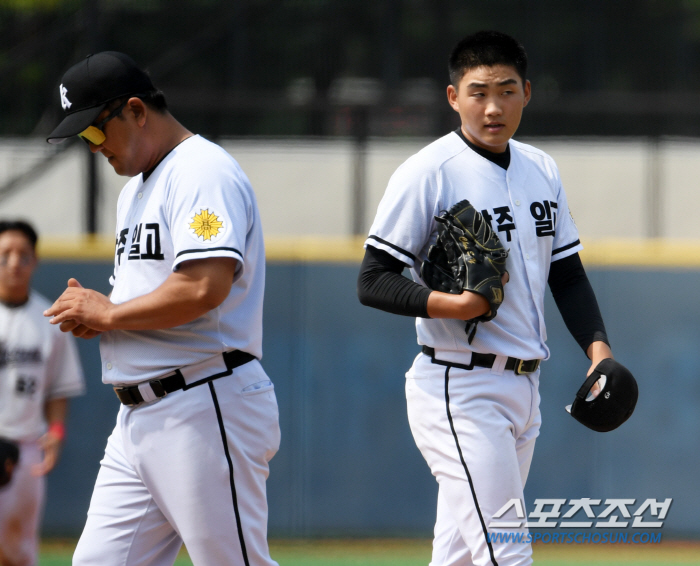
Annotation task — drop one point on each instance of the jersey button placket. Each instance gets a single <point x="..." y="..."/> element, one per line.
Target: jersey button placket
<point x="525" y="240"/>
<point x="529" y="247"/>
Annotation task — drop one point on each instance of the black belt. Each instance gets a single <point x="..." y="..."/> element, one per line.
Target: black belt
<point x="131" y="395"/>
<point x="520" y="367"/>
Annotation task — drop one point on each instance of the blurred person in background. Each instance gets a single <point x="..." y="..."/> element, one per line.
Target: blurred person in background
<point x="39" y="371"/>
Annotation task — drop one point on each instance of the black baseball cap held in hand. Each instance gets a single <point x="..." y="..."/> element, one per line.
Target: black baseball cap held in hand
<point x="88" y="86"/>
<point x="614" y="403"/>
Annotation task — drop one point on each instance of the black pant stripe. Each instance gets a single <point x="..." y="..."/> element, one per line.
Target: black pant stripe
<point x="230" y="471"/>
<point x="464" y="465"/>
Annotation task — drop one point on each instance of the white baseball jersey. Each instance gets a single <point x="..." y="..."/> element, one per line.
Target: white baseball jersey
<point x="37" y="362"/>
<point x="527" y="208"/>
<point x="196" y="204"/>
<point x="192" y="465"/>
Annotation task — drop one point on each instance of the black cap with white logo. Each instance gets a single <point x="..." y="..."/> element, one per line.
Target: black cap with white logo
<point x="88" y="86"/>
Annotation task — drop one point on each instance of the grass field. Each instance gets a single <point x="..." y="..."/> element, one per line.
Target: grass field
<point x="410" y="552"/>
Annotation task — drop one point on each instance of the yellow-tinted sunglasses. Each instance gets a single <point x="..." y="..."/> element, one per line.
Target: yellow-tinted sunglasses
<point x="94" y="134"/>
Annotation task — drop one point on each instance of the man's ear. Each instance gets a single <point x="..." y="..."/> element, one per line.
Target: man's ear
<point x="452" y="97"/>
<point x="527" y="90"/>
<point x="139" y="109"/>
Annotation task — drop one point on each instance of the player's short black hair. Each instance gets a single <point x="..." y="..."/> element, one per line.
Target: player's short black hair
<point x="20" y="226"/>
<point x="154" y="99"/>
<point x="486" y="49"/>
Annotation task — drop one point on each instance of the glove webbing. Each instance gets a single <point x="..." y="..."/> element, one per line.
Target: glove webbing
<point x="451" y="222"/>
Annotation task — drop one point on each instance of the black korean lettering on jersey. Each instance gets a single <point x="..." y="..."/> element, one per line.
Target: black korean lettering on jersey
<point x="135" y="250"/>
<point x="153" y="250"/>
<point x="121" y="244"/>
<point x="145" y="243"/>
<point x="545" y="215"/>
<point x="504" y="220"/>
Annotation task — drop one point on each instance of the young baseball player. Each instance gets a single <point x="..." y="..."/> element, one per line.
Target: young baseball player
<point x="181" y="335"/>
<point x="473" y="404"/>
<point x="39" y="371"/>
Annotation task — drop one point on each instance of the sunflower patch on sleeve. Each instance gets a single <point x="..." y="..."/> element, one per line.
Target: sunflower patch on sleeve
<point x="205" y="225"/>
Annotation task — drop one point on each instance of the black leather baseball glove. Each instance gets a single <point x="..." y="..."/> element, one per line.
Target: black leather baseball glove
<point x="9" y="456"/>
<point x="466" y="256"/>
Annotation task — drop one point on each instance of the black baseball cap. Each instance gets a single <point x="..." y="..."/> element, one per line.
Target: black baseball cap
<point x="615" y="402"/>
<point x="88" y="86"/>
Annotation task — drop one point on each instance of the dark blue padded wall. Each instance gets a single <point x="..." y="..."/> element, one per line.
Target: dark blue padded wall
<point x="348" y="466"/>
<point x="655" y="454"/>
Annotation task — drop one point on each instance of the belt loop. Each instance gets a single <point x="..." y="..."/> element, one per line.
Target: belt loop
<point x="499" y="365"/>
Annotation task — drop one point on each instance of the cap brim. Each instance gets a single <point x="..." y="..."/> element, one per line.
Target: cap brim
<point x="75" y="123"/>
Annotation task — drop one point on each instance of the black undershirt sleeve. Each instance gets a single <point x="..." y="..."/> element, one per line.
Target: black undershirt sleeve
<point x="381" y="285"/>
<point x="576" y="301"/>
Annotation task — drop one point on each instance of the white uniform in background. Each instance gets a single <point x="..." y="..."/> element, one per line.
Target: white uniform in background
<point x="476" y="427"/>
<point x="37" y="363"/>
<point x="192" y="465"/>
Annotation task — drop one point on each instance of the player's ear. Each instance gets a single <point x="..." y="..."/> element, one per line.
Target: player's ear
<point x="452" y="97"/>
<point x="139" y="110"/>
<point x="527" y="90"/>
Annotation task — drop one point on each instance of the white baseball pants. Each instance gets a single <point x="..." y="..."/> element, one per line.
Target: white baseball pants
<point x="190" y="467"/>
<point x="21" y="506"/>
<point x="476" y="429"/>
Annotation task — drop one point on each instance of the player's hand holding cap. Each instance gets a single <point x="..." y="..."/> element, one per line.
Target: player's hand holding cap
<point x="612" y="404"/>
<point x="87" y="87"/>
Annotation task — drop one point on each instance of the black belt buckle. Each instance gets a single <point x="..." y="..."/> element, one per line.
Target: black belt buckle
<point x="526" y="366"/>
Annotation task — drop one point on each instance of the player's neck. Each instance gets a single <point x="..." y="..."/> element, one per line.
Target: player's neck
<point x="13" y="298"/>
<point x="501" y="159"/>
<point x="167" y="133"/>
